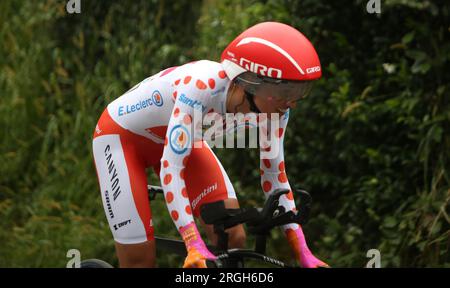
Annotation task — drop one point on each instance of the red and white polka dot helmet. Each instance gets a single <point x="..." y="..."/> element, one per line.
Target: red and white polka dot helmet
<point x="274" y="50"/>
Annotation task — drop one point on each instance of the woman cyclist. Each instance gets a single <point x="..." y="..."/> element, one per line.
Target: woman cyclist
<point x="266" y="69"/>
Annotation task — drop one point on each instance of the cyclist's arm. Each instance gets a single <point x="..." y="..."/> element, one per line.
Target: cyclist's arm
<point x="273" y="176"/>
<point x="273" y="172"/>
<point x="178" y="145"/>
<point x="192" y="102"/>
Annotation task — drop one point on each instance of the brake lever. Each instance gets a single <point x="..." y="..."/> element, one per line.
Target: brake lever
<point x="274" y="215"/>
<point x="272" y="203"/>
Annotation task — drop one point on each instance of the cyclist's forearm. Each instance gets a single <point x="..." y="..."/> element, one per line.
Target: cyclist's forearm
<point x="176" y="197"/>
<point x="180" y="207"/>
<point x="272" y="166"/>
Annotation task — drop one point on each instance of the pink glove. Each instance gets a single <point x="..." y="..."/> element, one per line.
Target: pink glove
<point x="297" y="242"/>
<point x="197" y="251"/>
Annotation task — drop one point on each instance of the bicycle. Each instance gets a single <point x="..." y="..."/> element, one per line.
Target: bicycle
<point x="259" y="222"/>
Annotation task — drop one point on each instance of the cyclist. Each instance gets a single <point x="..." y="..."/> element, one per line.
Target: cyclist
<point x="267" y="69"/>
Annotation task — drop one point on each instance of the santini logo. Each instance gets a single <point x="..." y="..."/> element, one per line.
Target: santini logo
<point x="193" y="103"/>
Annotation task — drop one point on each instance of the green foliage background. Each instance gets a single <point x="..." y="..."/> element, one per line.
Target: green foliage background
<point x="371" y="144"/>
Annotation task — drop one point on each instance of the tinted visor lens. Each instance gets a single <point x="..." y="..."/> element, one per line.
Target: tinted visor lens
<point x="276" y="89"/>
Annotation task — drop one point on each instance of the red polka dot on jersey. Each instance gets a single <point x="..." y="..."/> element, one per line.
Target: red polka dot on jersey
<point x="166" y="141"/>
<point x="176" y="112"/>
<point x="279" y="132"/>
<point x="169" y="197"/>
<point x="211" y="83"/>
<point x="187" y="119"/>
<point x="187" y="79"/>
<point x="184" y="192"/>
<point x="188" y="209"/>
<point x="177" y="82"/>
<point x="200" y="84"/>
<point x="290" y="196"/>
<point x="222" y="74"/>
<point x="211" y="110"/>
<point x="261" y="172"/>
<point x="267" y="186"/>
<point x="267" y="163"/>
<point x="165" y="163"/>
<point x="175" y="94"/>
<point x="182" y="174"/>
<point x="174" y="215"/>
<point x="267" y="149"/>
<point x="281" y="166"/>
<point x="282" y="177"/>
<point x="167" y="179"/>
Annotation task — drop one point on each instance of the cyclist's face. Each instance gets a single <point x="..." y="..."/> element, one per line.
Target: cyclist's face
<point x="264" y="102"/>
<point x="267" y="104"/>
<point x="273" y="95"/>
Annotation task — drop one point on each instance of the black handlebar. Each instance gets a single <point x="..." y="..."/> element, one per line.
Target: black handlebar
<point x="259" y="221"/>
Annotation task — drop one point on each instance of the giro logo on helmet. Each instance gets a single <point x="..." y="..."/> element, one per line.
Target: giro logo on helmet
<point x="313" y="69"/>
<point x="260" y="68"/>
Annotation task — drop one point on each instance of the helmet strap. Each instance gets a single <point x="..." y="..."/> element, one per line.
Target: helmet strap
<point x="250" y="100"/>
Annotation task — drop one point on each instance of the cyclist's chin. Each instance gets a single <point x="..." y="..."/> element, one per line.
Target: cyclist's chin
<point x="282" y="111"/>
<point x="278" y="111"/>
<point x="269" y="107"/>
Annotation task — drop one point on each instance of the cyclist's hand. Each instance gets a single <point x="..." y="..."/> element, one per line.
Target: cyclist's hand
<point x="308" y="260"/>
<point x="197" y="251"/>
<point x="196" y="258"/>
<point x="304" y="256"/>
